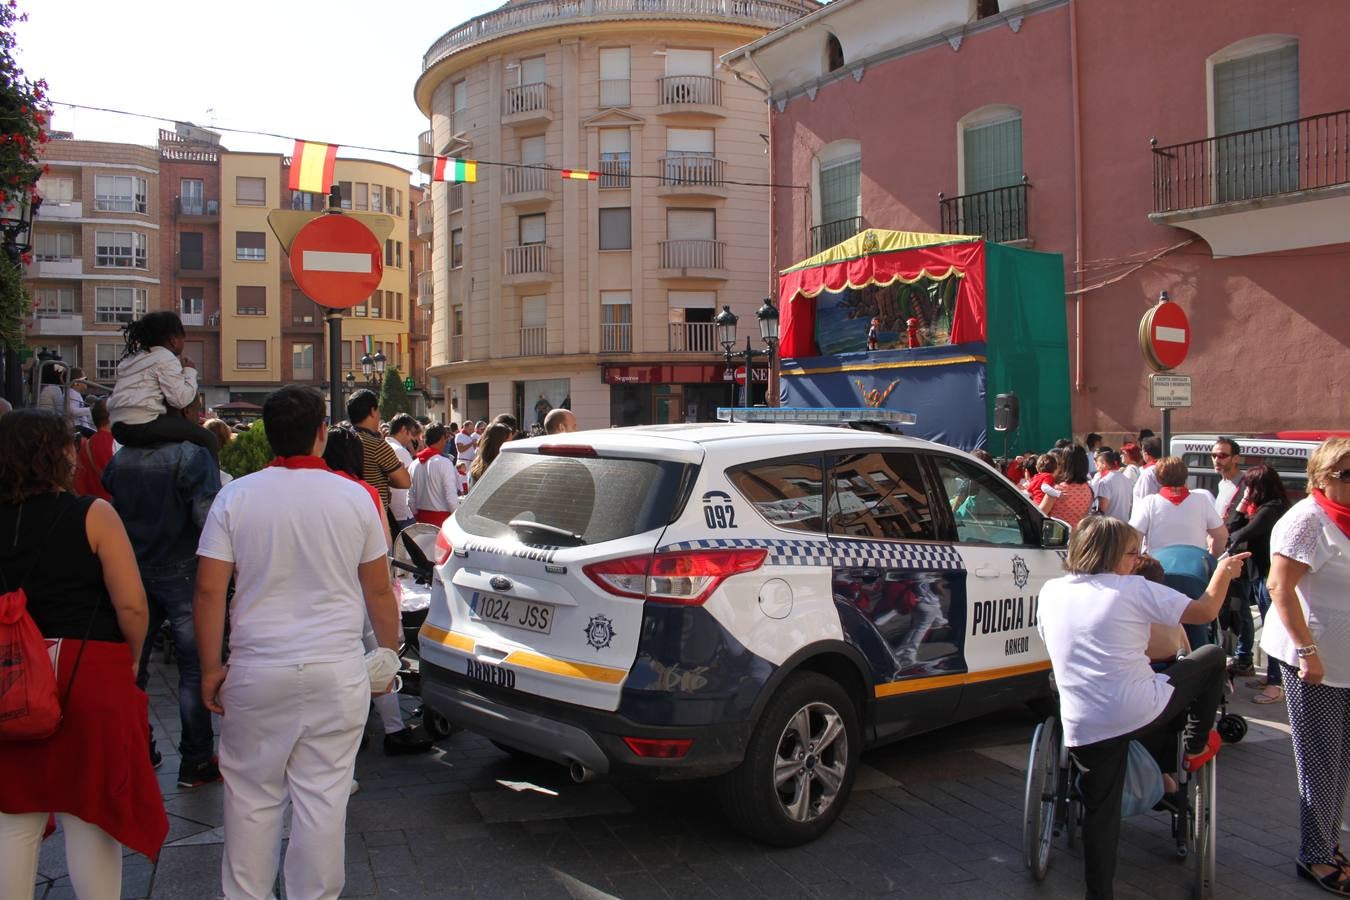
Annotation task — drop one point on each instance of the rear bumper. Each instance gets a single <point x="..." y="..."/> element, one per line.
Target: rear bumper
<point x="568" y="734"/>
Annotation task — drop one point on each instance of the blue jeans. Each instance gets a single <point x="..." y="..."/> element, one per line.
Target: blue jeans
<point x="1244" y="627"/>
<point x="1262" y="597"/>
<point x="169" y="590"/>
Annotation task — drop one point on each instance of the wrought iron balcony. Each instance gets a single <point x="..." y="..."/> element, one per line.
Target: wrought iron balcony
<point x="828" y="234"/>
<point x="1308" y="153"/>
<point x="999" y="215"/>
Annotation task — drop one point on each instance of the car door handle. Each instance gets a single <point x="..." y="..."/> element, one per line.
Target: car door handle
<point x="988" y="572"/>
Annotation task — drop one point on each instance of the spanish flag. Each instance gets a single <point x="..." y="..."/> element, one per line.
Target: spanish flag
<point x="576" y="175"/>
<point x="312" y="167"/>
<point x="448" y="169"/>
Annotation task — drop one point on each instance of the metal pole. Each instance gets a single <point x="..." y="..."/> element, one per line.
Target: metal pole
<point x="1167" y="431"/>
<point x="749" y="372"/>
<point x="336" y="410"/>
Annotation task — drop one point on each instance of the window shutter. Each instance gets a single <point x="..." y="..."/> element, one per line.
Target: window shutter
<point x="250" y="191"/>
<point x="532" y="70"/>
<point x="840" y="191"/>
<point x="614" y="63"/>
<point x="616" y="228"/>
<point x="532" y="229"/>
<point x="533" y="312"/>
<point x="691" y="224"/>
<point x="614" y="140"/>
<point x="1256" y="91"/>
<point x="993" y="155"/>
<point x="689" y="62"/>
<point x="532" y="150"/>
<point x="689" y="140"/>
<point x="692" y="299"/>
<point x="251" y="354"/>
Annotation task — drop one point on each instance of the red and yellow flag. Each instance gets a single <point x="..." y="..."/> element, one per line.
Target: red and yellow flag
<point x="312" y="167"/>
<point x="578" y="175"/>
<point x="403" y="342"/>
<point x="450" y="169"/>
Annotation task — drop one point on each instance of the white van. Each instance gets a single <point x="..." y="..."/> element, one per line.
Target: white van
<point x="1286" y="452"/>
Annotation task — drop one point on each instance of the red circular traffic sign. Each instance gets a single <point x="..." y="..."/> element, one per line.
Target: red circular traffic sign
<point x="1165" y="336"/>
<point x="739" y="374"/>
<point x="336" y="261"/>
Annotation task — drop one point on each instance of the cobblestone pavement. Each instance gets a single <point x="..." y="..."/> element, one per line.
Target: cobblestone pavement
<point x="938" y="816"/>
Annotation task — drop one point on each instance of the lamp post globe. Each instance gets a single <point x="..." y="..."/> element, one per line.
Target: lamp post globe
<point x="379" y="361"/>
<point x="726" y="327"/>
<point x="768" y="321"/>
<point x="367" y="365"/>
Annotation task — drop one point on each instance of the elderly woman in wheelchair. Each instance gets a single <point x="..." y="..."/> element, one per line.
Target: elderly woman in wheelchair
<point x="1096" y="624"/>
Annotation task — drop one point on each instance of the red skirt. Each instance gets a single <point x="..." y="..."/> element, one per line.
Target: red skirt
<point x="97" y="765"/>
<point x="435" y="517"/>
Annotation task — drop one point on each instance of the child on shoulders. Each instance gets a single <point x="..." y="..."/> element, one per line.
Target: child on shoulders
<point x="151" y="378"/>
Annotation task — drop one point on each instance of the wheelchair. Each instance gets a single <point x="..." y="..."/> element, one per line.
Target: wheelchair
<point x="1052" y="808"/>
<point x="413" y="575"/>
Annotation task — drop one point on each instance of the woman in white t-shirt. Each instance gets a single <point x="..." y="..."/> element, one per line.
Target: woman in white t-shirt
<point x="1096" y="622"/>
<point x="1176" y="515"/>
<point x="1309" y="634"/>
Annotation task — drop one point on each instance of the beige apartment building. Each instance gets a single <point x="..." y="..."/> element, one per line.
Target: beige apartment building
<point x="96" y="251"/>
<point x="597" y="295"/>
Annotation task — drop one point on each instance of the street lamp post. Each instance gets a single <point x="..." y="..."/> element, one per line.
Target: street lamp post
<point x="16" y="228"/>
<point x="767" y="316"/>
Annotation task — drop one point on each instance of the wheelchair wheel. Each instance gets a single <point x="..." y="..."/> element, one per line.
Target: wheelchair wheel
<point x="1041" y="799"/>
<point x="1232" y="728"/>
<point x="1202" y="833"/>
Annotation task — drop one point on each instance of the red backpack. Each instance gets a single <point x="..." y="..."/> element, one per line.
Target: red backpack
<point x="30" y="708"/>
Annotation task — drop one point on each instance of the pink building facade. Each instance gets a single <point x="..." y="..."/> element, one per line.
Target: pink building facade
<point x="1032" y="122"/>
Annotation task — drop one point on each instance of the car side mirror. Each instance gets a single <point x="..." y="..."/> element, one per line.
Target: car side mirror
<point x="1054" y="533"/>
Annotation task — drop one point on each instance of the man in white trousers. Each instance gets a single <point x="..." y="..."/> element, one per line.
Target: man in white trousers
<point x="307" y="550"/>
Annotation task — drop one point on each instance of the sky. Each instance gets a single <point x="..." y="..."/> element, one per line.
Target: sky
<point x="323" y="70"/>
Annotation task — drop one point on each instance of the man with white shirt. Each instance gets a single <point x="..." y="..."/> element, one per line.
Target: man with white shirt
<point x="466" y="443"/>
<point x="435" y="481"/>
<point x="1115" y="493"/>
<point x="403" y="432"/>
<point x="306" y="549"/>
<point x="1147" y="482"/>
<point x="1227" y="456"/>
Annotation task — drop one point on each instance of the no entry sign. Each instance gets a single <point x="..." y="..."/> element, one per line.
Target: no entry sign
<point x="1165" y="336"/>
<point x="336" y="261"/>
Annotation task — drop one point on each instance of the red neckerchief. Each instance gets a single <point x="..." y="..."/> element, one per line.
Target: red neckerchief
<point x="1149" y="465"/>
<point x="1174" y="494"/>
<point x="427" y="453"/>
<point x="1338" y="513"/>
<point x="1247" y="508"/>
<point x="304" y="461"/>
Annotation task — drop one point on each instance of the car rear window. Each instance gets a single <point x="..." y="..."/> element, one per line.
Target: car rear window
<point x="594" y="499"/>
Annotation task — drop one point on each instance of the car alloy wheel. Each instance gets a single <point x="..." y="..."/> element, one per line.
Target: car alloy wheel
<point x="811" y="762"/>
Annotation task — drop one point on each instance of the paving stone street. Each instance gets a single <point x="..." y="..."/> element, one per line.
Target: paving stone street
<point x="937" y="816"/>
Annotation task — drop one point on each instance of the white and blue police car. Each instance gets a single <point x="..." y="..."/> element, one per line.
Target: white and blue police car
<point x="752" y="602"/>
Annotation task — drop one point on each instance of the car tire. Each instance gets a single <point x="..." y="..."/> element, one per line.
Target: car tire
<point x="813" y="722"/>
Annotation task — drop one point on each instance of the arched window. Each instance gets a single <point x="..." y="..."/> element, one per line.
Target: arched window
<point x="839" y="194"/>
<point x="1255" y="109"/>
<point x="993" y="198"/>
<point x="834" y="53"/>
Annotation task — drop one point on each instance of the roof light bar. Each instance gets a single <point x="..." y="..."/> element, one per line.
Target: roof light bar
<point x="807" y="415"/>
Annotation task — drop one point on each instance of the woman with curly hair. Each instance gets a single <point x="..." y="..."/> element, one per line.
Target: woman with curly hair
<point x="74" y="561"/>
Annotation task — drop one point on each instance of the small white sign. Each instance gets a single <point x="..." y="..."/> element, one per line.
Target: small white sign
<point x="1170" y="391"/>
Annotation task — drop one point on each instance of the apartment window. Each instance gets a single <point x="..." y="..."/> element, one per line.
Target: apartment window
<point x="68" y="352"/>
<point x="1257" y="90"/>
<point x="616" y="228"/>
<point x="106" y="358"/>
<point x="250" y="191"/>
<point x="345" y="191"/>
<point x="531" y="229"/>
<point x="993" y="152"/>
<point x="389" y="252"/>
<point x="691" y="225"/>
<point x="307" y="201"/>
<point x="616" y="321"/>
<point x="460" y="90"/>
<point x="533" y="151"/>
<point x="689" y="62"/>
<point x="615" y="157"/>
<point x="533" y="326"/>
<point x="532" y="70"/>
<point x="346" y="356"/>
<point x="362" y="309"/>
<point x="834" y="54"/>
<point x="119" y="193"/>
<point x="118" y="305"/>
<point x="192" y="305"/>
<point x="377" y="304"/>
<point x="302" y="362"/>
<point x="304" y="311"/>
<point x="389" y="205"/>
<point x="120" y="249"/>
<point x="398" y="254"/>
<point x="377" y="198"/>
<point x="196" y="351"/>
<point x="250" y="300"/>
<point x="250" y="245"/>
<point x="457" y="321"/>
<point x="362" y="195"/>
<point x="614" y="77"/>
<point x="191" y="196"/>
<point x="456" y="248"/>
<point x="190" y="255"/>
<point x="57" y="189"/>
<point x="689" y="154"/>
<point x="51" y="246"/>
<point x="250" y="354"/>
<point x="841" y="185"/>
<point x="51" y="302"/>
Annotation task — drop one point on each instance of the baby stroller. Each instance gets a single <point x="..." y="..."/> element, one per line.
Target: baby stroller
<point x="413" y="573"/>
<point x="1188" y="569"/>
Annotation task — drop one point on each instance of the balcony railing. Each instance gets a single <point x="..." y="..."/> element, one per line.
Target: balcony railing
<point x="693" y="337"/>
<point x="425" y="153"/>
<point x="999" y="215"/>
<point x="692" y="254"/>
<point x="454" y="198"/>
<point x="425" y="217"/>
<point x="831" y="233"/>
<point x="614" y="173"/>
<point x="529" y="259"/>
<point x="525" y="98"/>
<point x="616" y="337"/>
<point x="511" y="18"/>
<point x="614" y="92"/>
<point x="533" y="340"/>
<point x="196" y="206"/>
<point x="426" y="288"/>
<point x="689" y="90"/>
<point x="1308" y="153"/>
<point x="692" y="169"/>
<point x="456" y="347"/>
<point x="526" y="179"/>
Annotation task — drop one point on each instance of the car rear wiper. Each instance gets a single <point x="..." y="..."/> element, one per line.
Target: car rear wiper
<point x="531" y="525"/>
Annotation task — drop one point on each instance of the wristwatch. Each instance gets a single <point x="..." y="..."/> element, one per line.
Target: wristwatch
<point x="1305" y="652"/>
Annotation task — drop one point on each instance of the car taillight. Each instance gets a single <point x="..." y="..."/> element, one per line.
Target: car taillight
<point x="659" y="748"/>
<point x="443" y="548"/>
<point x="684" y="578"/>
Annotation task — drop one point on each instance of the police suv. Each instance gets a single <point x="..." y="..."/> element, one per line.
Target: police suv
<point x="750" y="601"/>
